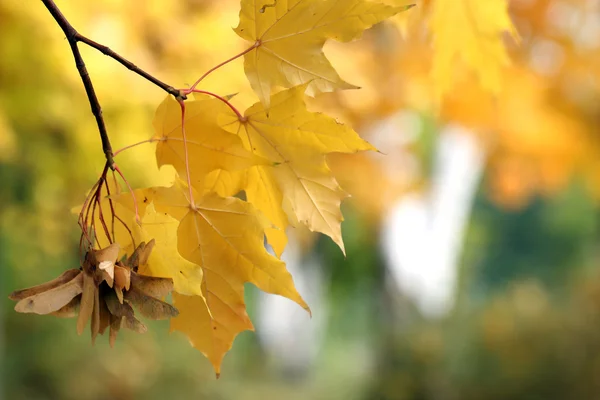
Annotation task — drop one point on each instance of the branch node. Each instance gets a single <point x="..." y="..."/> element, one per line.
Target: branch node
<point x="178" y="94"/>
<point x="110" y="159"/>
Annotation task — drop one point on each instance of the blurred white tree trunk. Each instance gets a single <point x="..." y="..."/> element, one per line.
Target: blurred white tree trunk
<point x="288" y="333"/>
<point x="422" y="236"/>
<point x="421" y="239"/>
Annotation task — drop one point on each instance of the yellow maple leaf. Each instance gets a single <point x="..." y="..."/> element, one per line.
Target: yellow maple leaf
<point x="212" y="321"/>
<point x="289" y="35"/>
<point x="164" y="260"/>
<point x="209" y="146"/>
<point x="262" y="191"/>
<point x="470" y="32"/>
<point x="224" y="183"/>
<point x="224" y="237"/>
<point x="407" y="23"/>
<point x="300" y="186"/>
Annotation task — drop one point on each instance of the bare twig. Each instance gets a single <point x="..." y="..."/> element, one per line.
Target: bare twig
<point x="129" y="65"/>
<point x="191" y="89"/>
<point x="185" y="152"/>
<point x="74" y="37"/>
<point x="224" y="100"/>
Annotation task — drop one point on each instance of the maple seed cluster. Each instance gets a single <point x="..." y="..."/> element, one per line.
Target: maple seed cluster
<point x="104" y="290"/>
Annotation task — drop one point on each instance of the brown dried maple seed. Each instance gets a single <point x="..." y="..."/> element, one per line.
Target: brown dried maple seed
<point x="104" y="290"/>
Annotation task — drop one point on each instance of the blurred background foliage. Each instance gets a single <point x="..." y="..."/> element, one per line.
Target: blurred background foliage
<point x="526" y="311"/>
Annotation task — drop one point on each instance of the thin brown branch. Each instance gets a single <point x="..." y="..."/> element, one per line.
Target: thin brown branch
<point x="101" y="214"/>
<point x="112" y="209"/>
<point x="129" y="65"/>
<point x="73" y="36"/>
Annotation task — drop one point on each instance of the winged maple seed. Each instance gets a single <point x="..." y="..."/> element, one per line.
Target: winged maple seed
<point x="104" y="290"/>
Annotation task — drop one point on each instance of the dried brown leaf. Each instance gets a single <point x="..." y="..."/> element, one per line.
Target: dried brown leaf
<point x="145" y="253"/>
<point x="108" y="278"/>
<point x="109" y="253"/>
<point x="87" y="301"/>
<point x="124" y="310"/>
<point x="69" y="310"/>
<point x="51" y="300"/>
<point x="44" y="287"/>
<point x="107" y="268"/>
<point x="140" y="255"/>
<point x="119" y="294"/>
<point x="95" y="325"/>
<point x="133" y="324"/>
<point x="149" y="306"/>
<point x="117" y="308"/>
<point x="104" y="260"/>
<point x="123" y="277"/>
<point x="115" y="327"/>
<point x="104" y="316"/>
<point x="152" y="286"/>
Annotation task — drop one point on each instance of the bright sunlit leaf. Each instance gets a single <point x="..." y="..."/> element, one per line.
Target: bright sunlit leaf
<point x="300" y="185"/>
<point x="223" y="237"/>
<point x="289" y="38"/>
<point x="469" y="32"/>
<point x="209" y="146"/>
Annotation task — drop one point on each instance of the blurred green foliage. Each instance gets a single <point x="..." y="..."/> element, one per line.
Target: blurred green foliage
<point x="526" y="323"/>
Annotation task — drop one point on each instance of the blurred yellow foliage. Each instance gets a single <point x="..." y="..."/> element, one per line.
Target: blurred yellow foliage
<point x="535" y="120"/>
<point x="468" y="33"/>
<point x="287" y="39"/>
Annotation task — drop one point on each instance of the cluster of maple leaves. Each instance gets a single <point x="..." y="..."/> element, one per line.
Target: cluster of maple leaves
<point x="207" y="241"/>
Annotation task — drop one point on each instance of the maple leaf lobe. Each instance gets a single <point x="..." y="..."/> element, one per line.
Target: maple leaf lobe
<point x="290" y="37"/>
